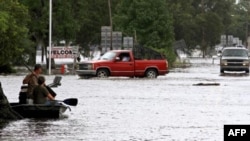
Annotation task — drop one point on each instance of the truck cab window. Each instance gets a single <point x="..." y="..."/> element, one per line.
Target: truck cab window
<point x="124" y="57"/>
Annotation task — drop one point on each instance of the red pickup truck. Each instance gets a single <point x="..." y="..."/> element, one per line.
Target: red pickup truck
<point x="122" y="63"/>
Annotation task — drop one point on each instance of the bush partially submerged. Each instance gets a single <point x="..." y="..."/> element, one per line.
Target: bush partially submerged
<point x="6" y="69"/>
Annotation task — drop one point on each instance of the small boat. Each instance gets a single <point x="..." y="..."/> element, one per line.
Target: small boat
<point x="54" y="110"/>
<point x="39" y="110"/>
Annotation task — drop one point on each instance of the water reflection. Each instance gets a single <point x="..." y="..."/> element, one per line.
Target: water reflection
<point x="28" y="129"/>
<point x="3" y="124"/>
<point x="39" y="127"/>
<point x="234" y="74"/>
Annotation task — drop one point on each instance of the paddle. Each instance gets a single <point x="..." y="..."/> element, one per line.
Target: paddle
<point x="70" y="101"/>
<point x="48" y="88"/>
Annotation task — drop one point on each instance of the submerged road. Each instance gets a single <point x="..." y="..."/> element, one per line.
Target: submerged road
<point x="169" y="108"/>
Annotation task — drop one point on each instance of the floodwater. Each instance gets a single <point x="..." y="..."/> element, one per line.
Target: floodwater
<point x="169" y="108"/>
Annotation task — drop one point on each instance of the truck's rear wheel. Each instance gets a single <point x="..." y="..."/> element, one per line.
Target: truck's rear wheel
<point x="151" y="73"/>
<point x="102" y="73"/>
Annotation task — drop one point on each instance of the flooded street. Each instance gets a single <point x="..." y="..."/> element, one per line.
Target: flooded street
<point x="169" y="108"/>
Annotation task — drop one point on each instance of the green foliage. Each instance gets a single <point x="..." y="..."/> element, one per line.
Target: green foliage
<point x="212" y="20"/>
<point x="240" y="21"/>
<point x="39" y="19"/>
<point x="153" y="23"/>
<point x="184" y="24"/>
<point x="201" y="22"/>
<point x="67" y="19"/>
<point x="6" y="69"/>
<point x="78" y="22"/>
<point x="13" y="30"/>
<point x="96" y="14"/>
<point x="209" y="31"/>
<point x="150" y="20"/>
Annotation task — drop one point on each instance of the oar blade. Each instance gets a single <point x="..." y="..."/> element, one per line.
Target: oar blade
<point x="71" y="101"/>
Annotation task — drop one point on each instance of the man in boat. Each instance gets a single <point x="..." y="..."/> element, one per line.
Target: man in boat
<point x="40" y="93"/>
<point x="32" y="79"/>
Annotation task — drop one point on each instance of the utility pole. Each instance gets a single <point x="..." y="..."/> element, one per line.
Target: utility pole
<point x="50" y="33"/>
<point x="203" y="45"/>
<point x="247" y="29"/>
<point x="111" y="25"/>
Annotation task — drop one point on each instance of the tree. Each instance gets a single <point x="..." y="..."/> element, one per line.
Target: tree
<point x="13" y="30"/>
<point x="212" y="17"/>
<point x="151" y="21"/>
<point x="38" y="27"/>
<point x="67" y="20"/>
<point x="184" y="23"/>
<point x="77" y="22"/>
<point x="240" y="21"/>
<point x="96" y="14"/>
<point x="201" y="22"/>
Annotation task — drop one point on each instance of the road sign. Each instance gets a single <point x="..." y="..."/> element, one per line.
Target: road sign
<point x="61" y="52"/>
<point x="106" y="39"/>
<point x="128" y="42"/>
